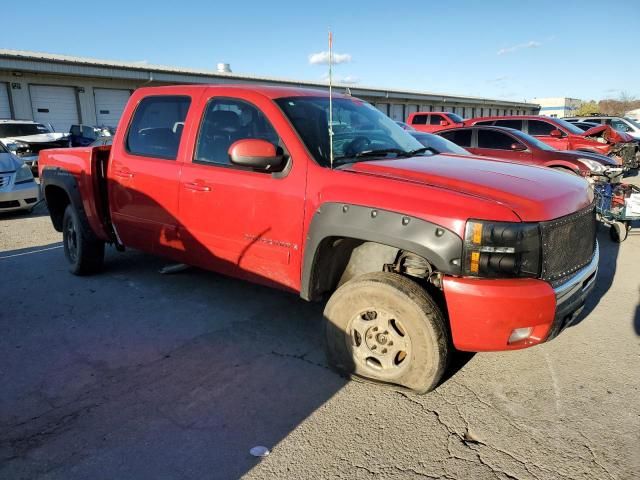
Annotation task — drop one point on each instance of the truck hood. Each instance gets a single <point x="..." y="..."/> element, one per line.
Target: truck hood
<point x="39" y="138"/>
<point x="9" y="163"/>
<point x="609" y="134"/>
<point x="532" y="193"/>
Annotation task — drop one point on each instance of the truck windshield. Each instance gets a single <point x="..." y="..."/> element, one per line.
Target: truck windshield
<point x="21" y="129"/>
<point x="570" y="127"/>
<point x="455" y="117"/>
<point x="360" y="131"/>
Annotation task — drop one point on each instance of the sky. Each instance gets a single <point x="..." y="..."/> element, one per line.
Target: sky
<point x="500" y="49"/>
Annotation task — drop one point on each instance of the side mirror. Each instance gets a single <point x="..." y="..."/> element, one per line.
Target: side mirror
<point x="443" y="123"/>
<point x="518" y="147"/>
<point x="255" y="153"/>
<point x="556" y="133"/>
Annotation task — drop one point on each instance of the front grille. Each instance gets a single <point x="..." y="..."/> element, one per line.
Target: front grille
<point x="627" y="151"/>
<point x="568" y="244"/>
<point x="4" y="180"/>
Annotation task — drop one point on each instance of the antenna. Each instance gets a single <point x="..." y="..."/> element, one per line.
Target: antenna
<point x="330" y="100"/>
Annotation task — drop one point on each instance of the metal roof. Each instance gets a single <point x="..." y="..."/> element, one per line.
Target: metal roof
<point x="21" y="60"/>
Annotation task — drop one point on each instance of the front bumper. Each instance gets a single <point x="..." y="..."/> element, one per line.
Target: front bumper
<point x="484" y="312"/>
<point x="19" y="197"/>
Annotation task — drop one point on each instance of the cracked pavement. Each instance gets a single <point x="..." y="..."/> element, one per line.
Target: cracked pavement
<point x="134" y="374"/>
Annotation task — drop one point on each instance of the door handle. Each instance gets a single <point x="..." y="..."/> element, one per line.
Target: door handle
<point x="197" y="187"/>
<point x="124" y="173"/>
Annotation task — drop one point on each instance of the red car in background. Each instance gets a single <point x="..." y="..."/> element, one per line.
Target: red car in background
<point x="434" y="121"/>
<point x="516" y="146"/>
<point x="563" y="135"/>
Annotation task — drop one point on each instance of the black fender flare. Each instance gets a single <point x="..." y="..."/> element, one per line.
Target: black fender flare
<point x="439" y="245"/>
<point x="61" y="178"/>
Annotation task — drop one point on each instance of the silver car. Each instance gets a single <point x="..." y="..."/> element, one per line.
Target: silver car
<point x="18" y="189"/>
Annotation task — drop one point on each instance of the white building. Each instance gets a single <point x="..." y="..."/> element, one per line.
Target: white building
<point x="635" y="114"/>
<point x="63" y="90"/>
<point x="558" y="107"/>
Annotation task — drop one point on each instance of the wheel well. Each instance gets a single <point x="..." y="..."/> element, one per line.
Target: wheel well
<point x="57" y="201"/>
<point x="339" y="259"/>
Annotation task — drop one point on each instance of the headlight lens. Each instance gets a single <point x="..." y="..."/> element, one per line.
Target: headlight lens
<point x="501" y="249"/>
<point x="24" y="175"/>
<point x="595" y="167"/>
<point x="16" y="146"/>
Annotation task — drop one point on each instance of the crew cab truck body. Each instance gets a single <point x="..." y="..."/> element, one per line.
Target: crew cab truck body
<point x="434" y="121"/>
<point x="419" y="254"/>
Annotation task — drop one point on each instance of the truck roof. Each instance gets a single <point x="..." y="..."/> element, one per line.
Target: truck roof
<point x="268" y="91"/>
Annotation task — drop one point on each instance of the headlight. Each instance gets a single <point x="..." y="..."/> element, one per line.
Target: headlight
<point x="493" y="249"/>
<point x="595" y="167"/>
<point x="24" y="175"/>
<point x="16" y="146"/>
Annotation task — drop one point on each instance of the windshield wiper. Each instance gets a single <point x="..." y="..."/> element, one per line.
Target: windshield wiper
<point x="379" y="153"/>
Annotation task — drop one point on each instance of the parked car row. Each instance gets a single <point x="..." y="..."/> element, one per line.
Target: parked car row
<point x="592" y="144"/>
<point x="21" y="142"/>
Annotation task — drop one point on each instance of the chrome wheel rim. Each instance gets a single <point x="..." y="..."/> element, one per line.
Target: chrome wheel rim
<point x="72" y="241"/>
<point x="380" y="343"/>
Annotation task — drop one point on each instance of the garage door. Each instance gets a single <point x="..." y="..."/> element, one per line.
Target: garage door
<point x="411" y="109"/>
<point x="5" y="109"/>
<point x="383" y="107"/>
<point x="397" y="112"/>
<point x="55" y="105"/>
<point x="110" y="104"/>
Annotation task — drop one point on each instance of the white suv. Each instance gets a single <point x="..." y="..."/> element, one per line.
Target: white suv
<point x="25" y="139"/>
<point x="621" y="124"/>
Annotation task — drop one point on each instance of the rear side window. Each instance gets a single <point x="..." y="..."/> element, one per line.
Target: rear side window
<point x="494" y="140"/>
<point x="538" y="128"/>
<point x="419" y="119"/>
<point x="459" y="137"/>
<point x="516" y="124"/>
<point x="157" y="126"/>
<point x="436" y="119"/>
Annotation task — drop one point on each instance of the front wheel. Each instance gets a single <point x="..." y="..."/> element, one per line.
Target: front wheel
<point x="618" y="231"/>
<point x="84" y="254"/>
<point x="384" y="327"/>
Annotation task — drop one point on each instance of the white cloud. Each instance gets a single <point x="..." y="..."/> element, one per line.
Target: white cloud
<point x="322" y="58"/>
<point x="520" y="46"/>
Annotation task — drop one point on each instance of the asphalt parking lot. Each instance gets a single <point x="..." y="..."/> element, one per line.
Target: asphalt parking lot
<point x="135" y="374"/>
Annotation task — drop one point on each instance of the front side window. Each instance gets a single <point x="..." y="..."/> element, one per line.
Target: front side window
<point x="539" y="128"/>
<point x="454" y="117"/>
<point x="156" y="127"/>
<point x="360" y="131"/>
<point x="494" y="140"/>
<point x="226" y="121"/>
<point x="436" y="119"/>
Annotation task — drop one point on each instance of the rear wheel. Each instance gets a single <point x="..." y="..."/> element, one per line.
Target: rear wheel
<point x="84" y="254"/>
<point x="385" y="328"/>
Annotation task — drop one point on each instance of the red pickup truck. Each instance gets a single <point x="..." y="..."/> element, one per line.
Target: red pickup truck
<point x="419" y="254"/>
<point x="434" y="121"/>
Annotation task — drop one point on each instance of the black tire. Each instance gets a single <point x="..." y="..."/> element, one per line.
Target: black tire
<point x="365" y="316"/>
<point x="618" y="232"/>
<point x="84" y="254"/>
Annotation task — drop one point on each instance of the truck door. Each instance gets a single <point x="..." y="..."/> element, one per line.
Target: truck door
<point x="236" y="220"/>
<point x="144" y="174"/>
